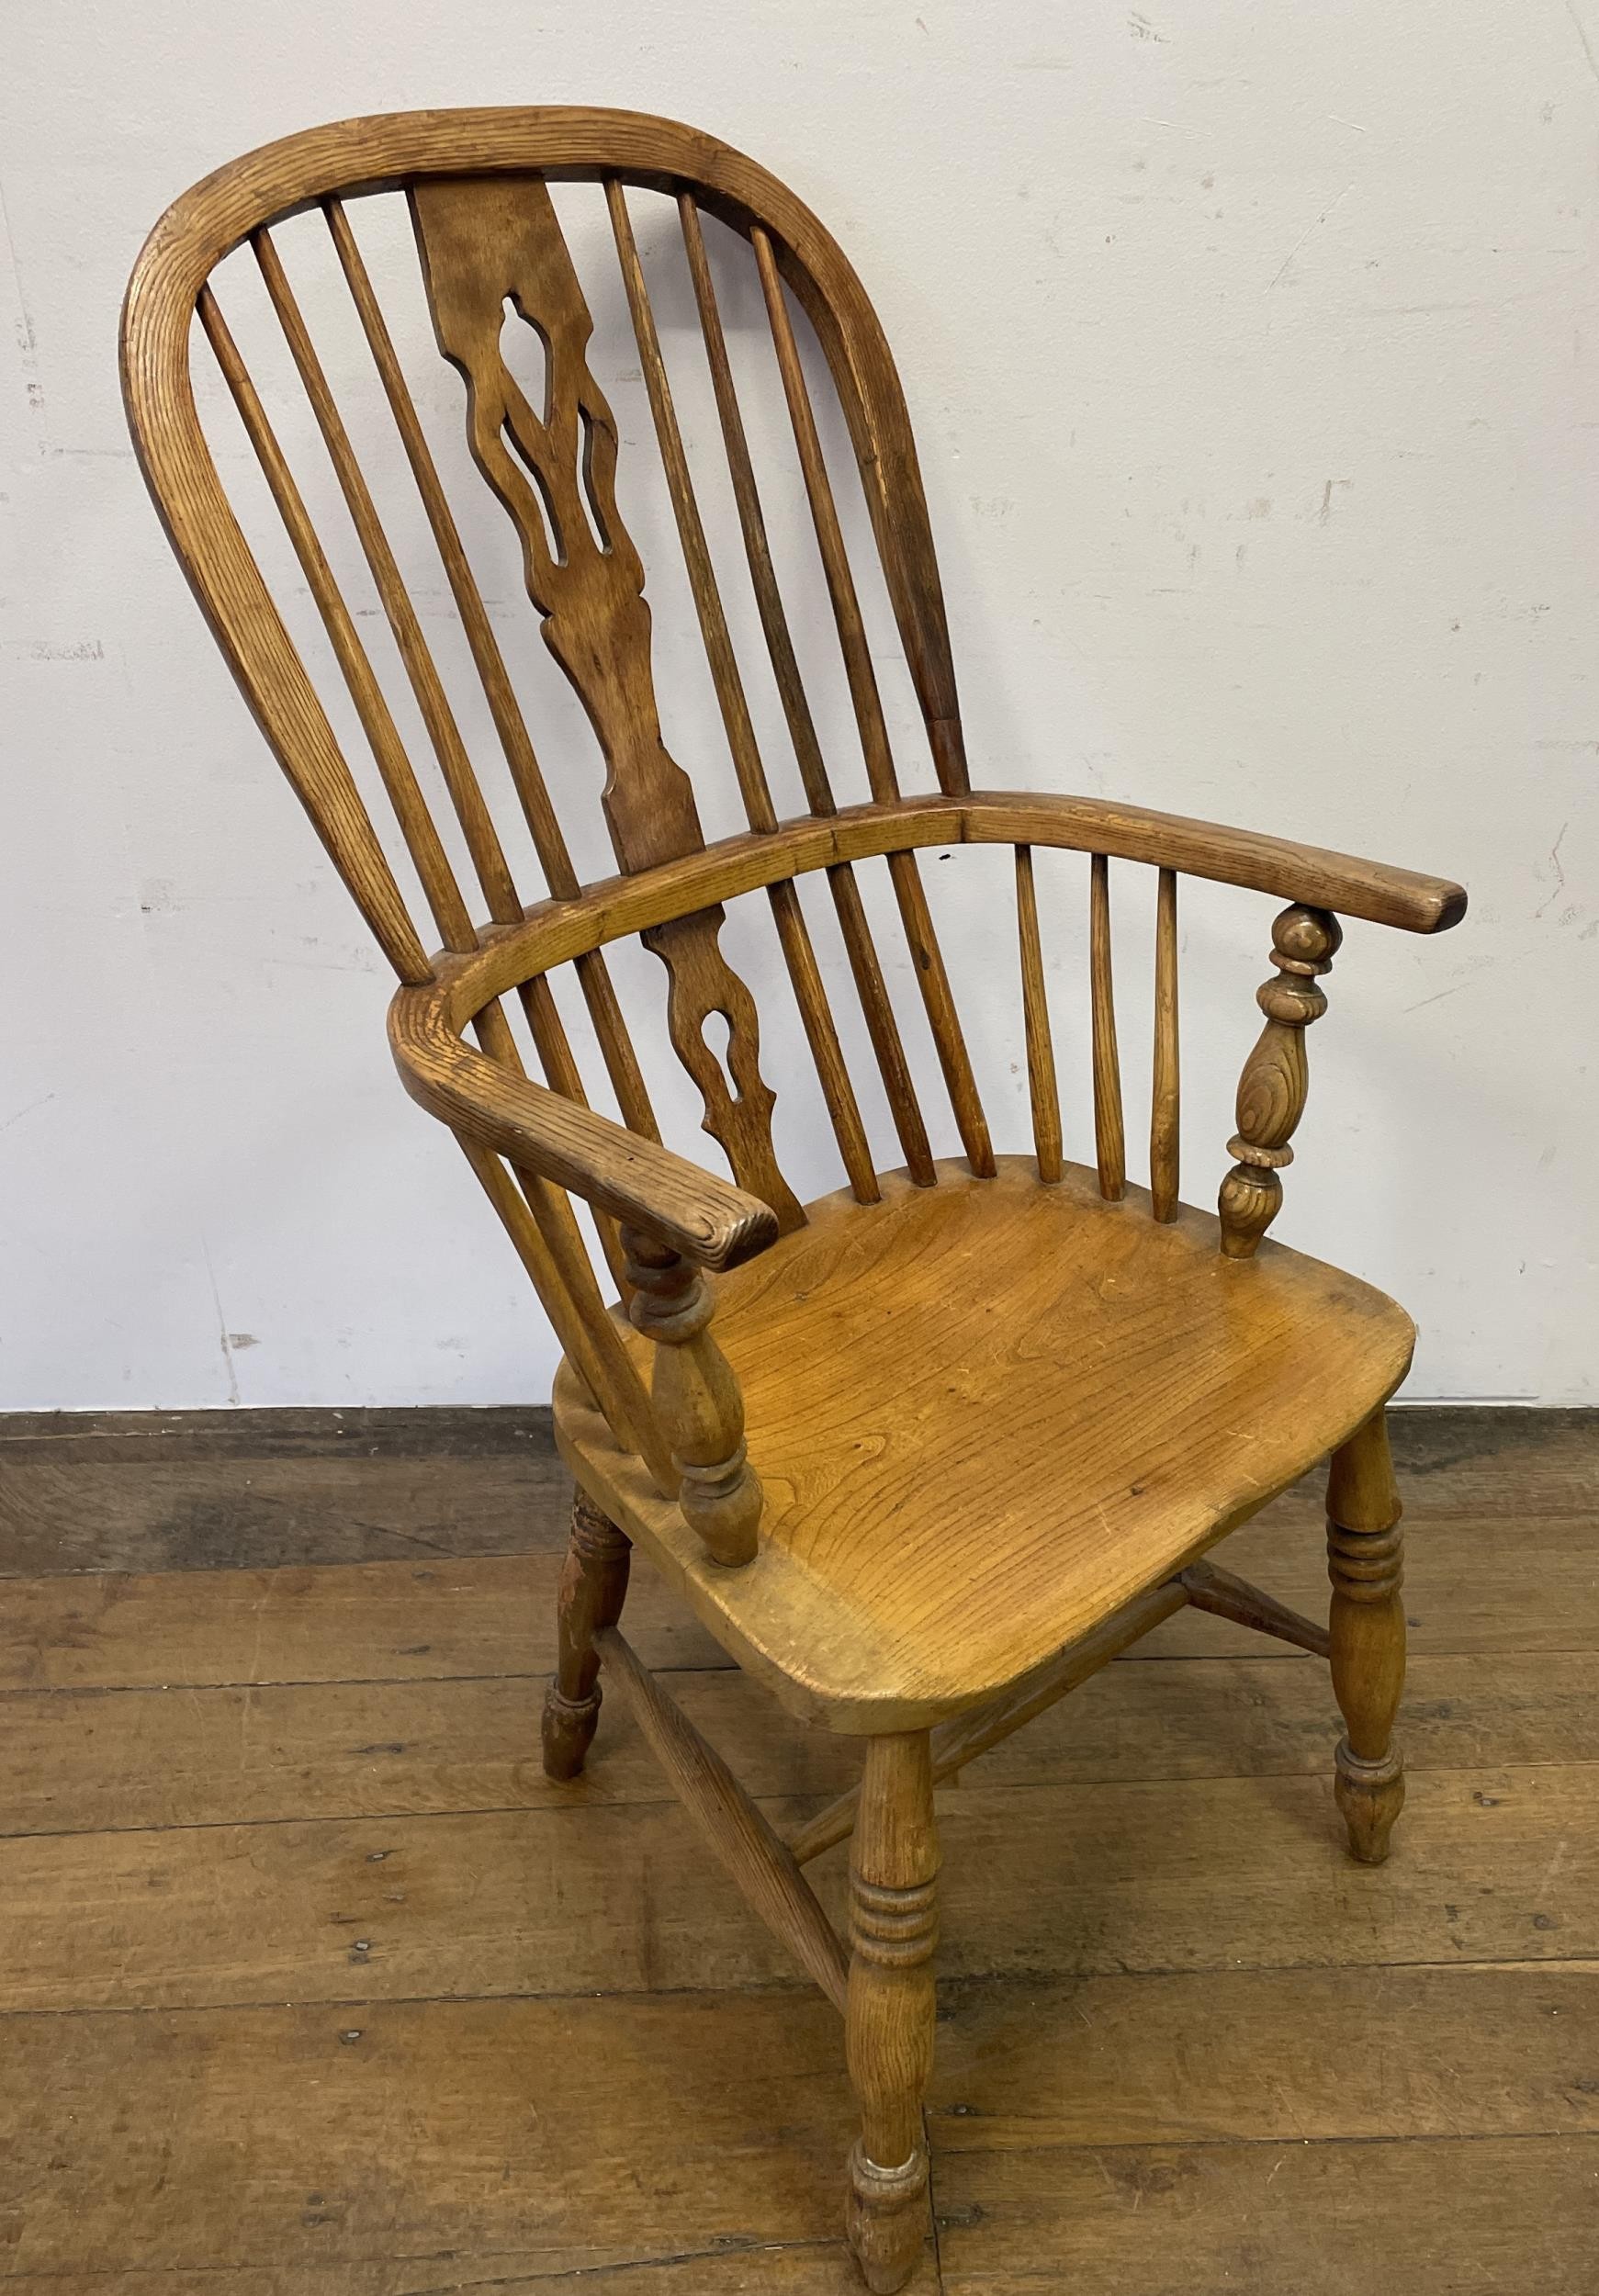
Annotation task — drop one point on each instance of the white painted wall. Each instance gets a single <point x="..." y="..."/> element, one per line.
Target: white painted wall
<point x="1250" y="346"/>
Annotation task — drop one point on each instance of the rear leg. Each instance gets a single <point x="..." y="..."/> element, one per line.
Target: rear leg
<point x="592" y="1590"/>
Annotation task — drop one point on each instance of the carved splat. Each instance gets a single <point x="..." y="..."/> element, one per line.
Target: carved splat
<point x="488" y="243"/>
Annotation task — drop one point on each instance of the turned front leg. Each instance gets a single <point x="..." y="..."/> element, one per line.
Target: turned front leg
<point x="889" y="2026"/>
<point x="592" y="1590"/>
<point x="1366" y="1563"/>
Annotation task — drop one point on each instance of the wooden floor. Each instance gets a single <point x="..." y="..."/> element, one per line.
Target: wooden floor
<point x="312" y="1987"/>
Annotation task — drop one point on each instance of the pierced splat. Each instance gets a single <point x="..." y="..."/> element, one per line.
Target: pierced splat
<point x="490" y="243"/>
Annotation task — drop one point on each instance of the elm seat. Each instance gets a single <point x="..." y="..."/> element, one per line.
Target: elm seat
<point x="1021" y="1406"/>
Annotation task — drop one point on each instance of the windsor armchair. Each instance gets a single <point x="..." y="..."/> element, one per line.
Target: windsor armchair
<point x="938" y="1445"/>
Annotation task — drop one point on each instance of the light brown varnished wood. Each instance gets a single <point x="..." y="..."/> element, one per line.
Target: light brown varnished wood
<point x="910" y="893"/>
<point x="1366" y="1563"/>
<point x="894" y="1865"/>
<point x="697" y="1405"/>
<point x="876" y="1364"/>
<point x="1043" y="1090"/>
<point x="485" y="243"/>
<point x="1164" y="1118"/>
<point x="1225" y="1595"/>
<point x="1276" y="1076"/>
<point x="620" y="1059"/>
<point x="734" y="1826"/>
<point x="999" y="1410"/>
<point x="594" y="1588"/>
<point x="954" y="1744"/>
<point x="1109" y="1146"/>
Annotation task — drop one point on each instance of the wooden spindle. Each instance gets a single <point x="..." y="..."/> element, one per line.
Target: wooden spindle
<point x="756" y="1858"/>
<point x="870" y="721"/>
<point x="416" y="826"/>
<point x="593" y="975"/>
<point x="794" y="936"/>
<point x="562" y="1074"/>
<point x="753" y="787"/>
<point x="696" y="1397"/>
<point x="466" y="795"/>
<point x="1165" y="1108"/>
<point x="1276" y="1076"/>
<point x="1109" y="1143"/>
<point x="785" y="668"/>
<point x="932" y="979"/>
<point x="882" y="1027"/>
<point x="816" y="1013"/>
<point x="588" y="1337"/>
<point x="1041" y="1054"/>
<point x="878" y="1011"/>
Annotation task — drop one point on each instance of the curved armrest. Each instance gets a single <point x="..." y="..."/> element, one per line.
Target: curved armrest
<point x="1310" y="874"/>
<point x="706" y="1220"/>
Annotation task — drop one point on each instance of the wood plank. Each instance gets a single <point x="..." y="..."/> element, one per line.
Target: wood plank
<point x="1493" y="1864"/>
<point x="1242" y="2056"/>
<point x="452" y="2134"/>
<point x="262" y="1497"/>
<point x="700" y="2124"/>
<point x="1435" y="2216"/>
<point x="823" y="2268"/>
<point x="84" y="1760"/>
<point x="252" y="1489"/>
<point x="382" y="1621"/>
<point x="492" y="1614"/>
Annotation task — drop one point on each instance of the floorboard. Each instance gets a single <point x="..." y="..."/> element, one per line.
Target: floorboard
<point x="314" y="1987"/>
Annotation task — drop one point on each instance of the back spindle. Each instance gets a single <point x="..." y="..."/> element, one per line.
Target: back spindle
<point x="1040" y="1055"/>
<point x="793" y="934"/>
<point x="1110" y="1140"/>
<point x="1165" y="1099"/>
<point x="864" y="967"/>
<point x="871" y="724"/>
<point x="555" y="860"/>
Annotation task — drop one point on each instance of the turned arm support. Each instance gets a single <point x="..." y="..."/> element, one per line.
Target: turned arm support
<point x="707" y="1221"/>
<point x="1277" y="1077"/>
<point x="696" y="1397"/>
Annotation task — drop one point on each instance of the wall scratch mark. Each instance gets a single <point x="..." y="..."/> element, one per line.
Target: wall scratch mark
<point x="1559" y="884"/>
<point x="1309" y="231"/>
<point x="225" y="1336"/>
<point x="1581" y="32"/>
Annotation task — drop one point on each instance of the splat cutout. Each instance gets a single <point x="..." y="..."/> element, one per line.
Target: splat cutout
<point x="491" y="247"/>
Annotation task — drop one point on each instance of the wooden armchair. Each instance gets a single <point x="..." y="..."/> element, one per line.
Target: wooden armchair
<point x="933" y="1448"/>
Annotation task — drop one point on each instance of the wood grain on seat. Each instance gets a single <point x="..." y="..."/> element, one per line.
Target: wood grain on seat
<point x="984" y="1415"/>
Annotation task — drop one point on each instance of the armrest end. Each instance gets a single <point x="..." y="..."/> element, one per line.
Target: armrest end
<point x="705" y="1219"/>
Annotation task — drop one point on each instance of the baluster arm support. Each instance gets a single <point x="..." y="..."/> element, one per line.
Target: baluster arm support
<point x="1277" y="1077"/>
<point x="697" y="1402"/>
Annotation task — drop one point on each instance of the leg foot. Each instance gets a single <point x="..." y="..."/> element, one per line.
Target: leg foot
<point x="885" y="2214"/>
<point x="1366" y="1563"/>
<point x="593" y="1588"/>
<point x="1370" y="1794"/>
<point x="889" y="2025"/>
